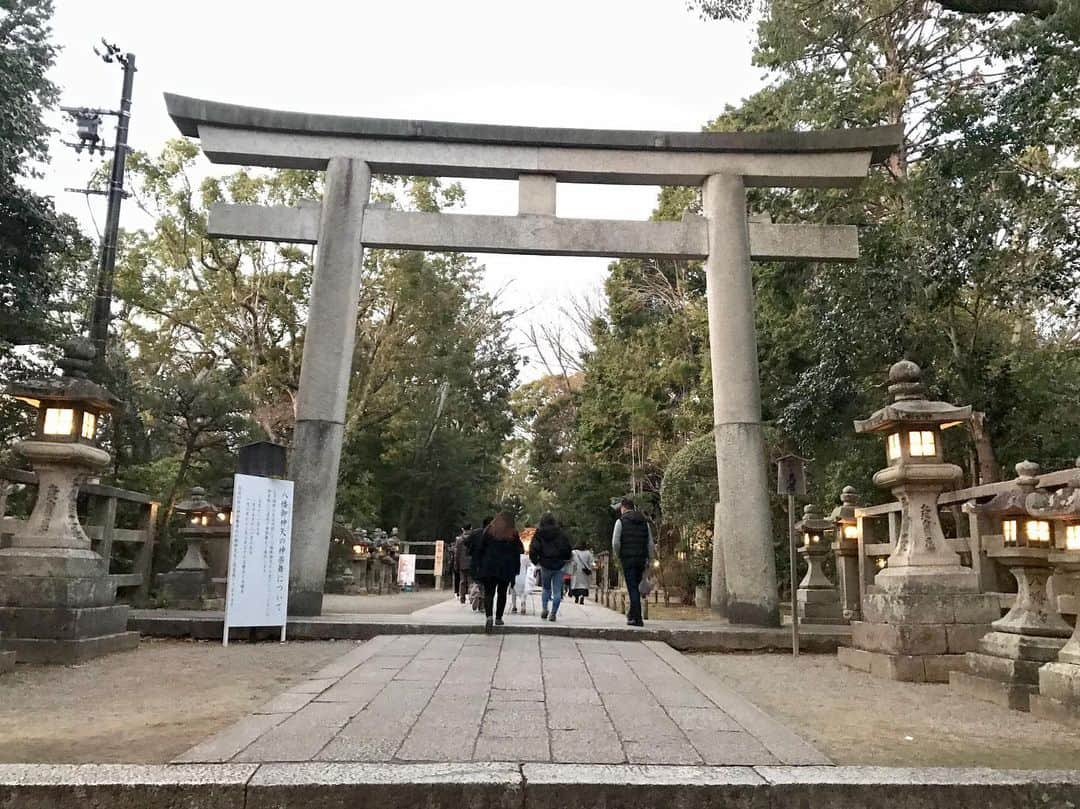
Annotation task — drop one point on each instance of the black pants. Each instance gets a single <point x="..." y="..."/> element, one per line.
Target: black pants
<point x="463" y="585"/>
<point x="633" y="574"/>
<point x="457" y="582"/>
<point x="491" y="589"/>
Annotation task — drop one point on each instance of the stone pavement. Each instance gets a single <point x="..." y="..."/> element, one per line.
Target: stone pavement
<point x="570" y="614"/>
<point x="509" y="698"/>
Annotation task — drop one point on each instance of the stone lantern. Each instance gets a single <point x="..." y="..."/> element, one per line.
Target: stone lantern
<point x="1059" y="680"/>
<point x="187" y="586"/>
<point x="1005" y="669"/>
<point x="361" y="558"/>
<point x="817" y="599"/>
<point x="846" y="551"/>
<point x="56" y="596"/>
<point x="924" y="611"/>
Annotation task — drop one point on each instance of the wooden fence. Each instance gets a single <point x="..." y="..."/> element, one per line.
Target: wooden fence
<point x="120" y="524"/>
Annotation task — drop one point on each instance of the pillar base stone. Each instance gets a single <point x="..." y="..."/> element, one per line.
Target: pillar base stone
<point x="1005" y="669"/>
<point x="1059" y="694"/>
<point x="305" y="602"/>
<point x="820" y="607"/>
<point x="7" y="661"/>
<point x="918" y="637"/>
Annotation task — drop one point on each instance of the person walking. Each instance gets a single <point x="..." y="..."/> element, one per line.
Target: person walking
<point x="550" y="550"/>
<point x="517" y="592"/>
<point x="583" y="563"/>
<point x="633" y="543"/>
<point x="497" y="561"/>
<point x="455" y="550"/>
<point x="462" y="563"/>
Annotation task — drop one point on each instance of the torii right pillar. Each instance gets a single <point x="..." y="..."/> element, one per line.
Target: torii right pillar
<point x="744" y="567"/>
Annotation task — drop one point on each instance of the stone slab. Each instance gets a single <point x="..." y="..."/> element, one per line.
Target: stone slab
<point x="66" y="623"/>
<point x="1054" y="710"/>
<point x="930" y="608"/>
<point x="683" y="636"/>
<point x="1004" y="669"/>
<point x="1021" y="647"/>
<point x="124" y="786"/>
<point x="1060" y="681"/>
<point x="899" y="639"/>
<point x="64" y="651"/>
<point x="918" y="788"/>
<point x="7" y="661"/>
<point x="903" y="668"/>
<point x="352" y="786"/>
<point x="1006" y="694"/>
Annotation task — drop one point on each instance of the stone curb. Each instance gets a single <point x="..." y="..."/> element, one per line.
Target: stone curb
<point x="814" y="639"/>
<point x="514" y="786"/>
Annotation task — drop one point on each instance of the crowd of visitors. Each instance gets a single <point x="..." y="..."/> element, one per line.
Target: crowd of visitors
<point x="491" y="562"/>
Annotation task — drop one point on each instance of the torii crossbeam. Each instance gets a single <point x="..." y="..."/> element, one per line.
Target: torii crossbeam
<point x="724" y="164"/>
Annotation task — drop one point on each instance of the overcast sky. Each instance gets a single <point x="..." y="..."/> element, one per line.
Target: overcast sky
<point x="634" y="64"/>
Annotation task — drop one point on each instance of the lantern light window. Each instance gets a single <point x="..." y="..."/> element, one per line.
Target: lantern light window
<point x="89" y="426"/>
<point x="894" y="446"/>
<point x="1008" y="530"/>
<point x="59" y="421"/>
<point x="921" y="443"/>
<point x="1038" y="532"/>
<point x="851" y="531"/>
<point x="1072" y="537"/>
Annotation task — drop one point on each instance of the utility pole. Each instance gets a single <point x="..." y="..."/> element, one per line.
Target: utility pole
<point x="87" y="121"/>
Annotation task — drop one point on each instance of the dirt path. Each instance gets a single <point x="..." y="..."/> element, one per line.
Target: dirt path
<point x="857" y="719"/>
<point x="145" y="706"/>
<point x="395" y="604"/>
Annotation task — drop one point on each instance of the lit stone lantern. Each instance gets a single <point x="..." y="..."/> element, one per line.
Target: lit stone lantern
<point x="1059" y="680"/>
<point x="187" y="586"/>
<point x="1005" y="667"/>
<point x="817" y="599"/>
<point x="51" y="580"/>
<point x="924" y="611"/>
<point x="916" y="474"/>
<point x="846" y="551"/>
<point x="361" y="558"/>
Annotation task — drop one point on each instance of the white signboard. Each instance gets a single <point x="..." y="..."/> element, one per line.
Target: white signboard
<point x="406" y="569"/>
<point x="258" y="588"/>
<point x="440" y="554"/>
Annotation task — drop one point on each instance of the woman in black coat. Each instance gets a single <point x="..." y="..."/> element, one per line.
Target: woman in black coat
<point x="550" y="550"/>
<point x="498" y="564"/>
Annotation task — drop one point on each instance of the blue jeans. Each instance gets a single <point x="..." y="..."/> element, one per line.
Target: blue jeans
<point x="633" y="575"/>
<point x="551" y="582"/>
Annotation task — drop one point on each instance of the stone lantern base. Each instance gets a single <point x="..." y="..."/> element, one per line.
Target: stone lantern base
<point x="1005" y="669"/>
<point x="819" y="606"/>
<point x="188" y="590"/>
<point x="57" y="606"/>
<point x="918" y="637"/>
<point x="1059" y="693"/>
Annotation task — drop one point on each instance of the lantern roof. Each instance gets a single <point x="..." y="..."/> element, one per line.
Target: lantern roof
<point x="195" y="502"/>
<point x="1063" y="504"/>
<point x="812" y="521"/>
<point x="849" y="501"/>
<point x="72" y="386"/>
<point x="1013" y="501"/>
<point x="909" y="405"/>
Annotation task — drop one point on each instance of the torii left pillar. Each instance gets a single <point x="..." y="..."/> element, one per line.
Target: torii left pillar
<point x="324" y="378"/>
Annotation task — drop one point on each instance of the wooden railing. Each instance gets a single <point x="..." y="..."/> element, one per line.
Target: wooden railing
<point x="120" y="524"/>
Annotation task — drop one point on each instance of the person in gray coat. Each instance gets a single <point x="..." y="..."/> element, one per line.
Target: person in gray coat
<point x="583" y="563"/>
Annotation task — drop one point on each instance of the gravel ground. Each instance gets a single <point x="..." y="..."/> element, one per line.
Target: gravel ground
<point x="858" y="719"/>
<point x="148" y="705"/>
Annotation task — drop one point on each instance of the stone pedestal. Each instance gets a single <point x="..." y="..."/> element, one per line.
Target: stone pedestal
<point x="56" y="597"/>
<point x="1059" y="681"/>
<point x="7" y="661"/>
<point x="188" y="585"/>
<point x="359" y="585"/>
<point x="918" y="637"/>
<point x="1005" y="667"/>
<point x="817" y="599"/>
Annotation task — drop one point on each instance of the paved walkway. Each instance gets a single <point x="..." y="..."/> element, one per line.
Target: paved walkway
<point x="509" y="698"/>
<point x="590" y="613"/>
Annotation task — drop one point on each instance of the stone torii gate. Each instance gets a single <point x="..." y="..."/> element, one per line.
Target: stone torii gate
<point x="350" y="149"/>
